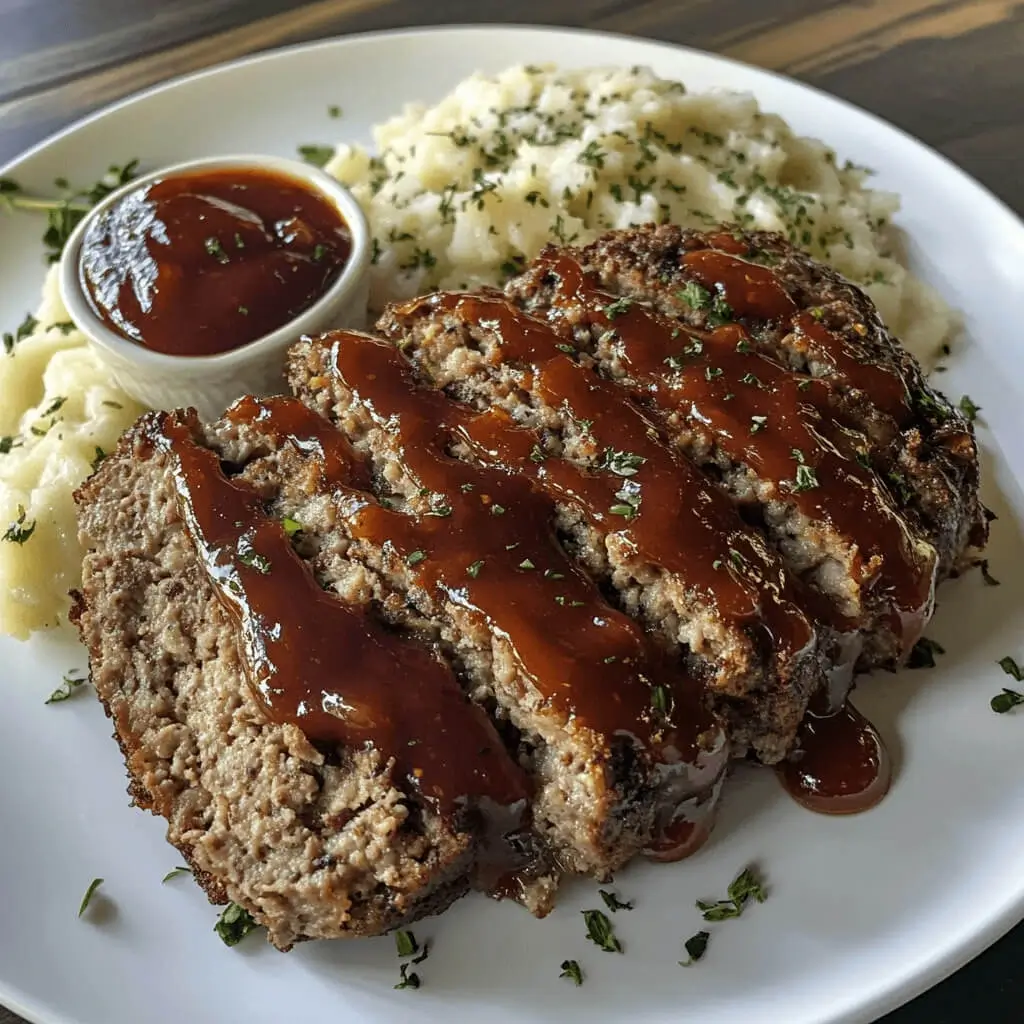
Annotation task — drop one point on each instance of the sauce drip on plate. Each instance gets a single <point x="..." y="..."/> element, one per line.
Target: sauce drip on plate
<point x="202" y="263"/>
<point x="841" y="767"/>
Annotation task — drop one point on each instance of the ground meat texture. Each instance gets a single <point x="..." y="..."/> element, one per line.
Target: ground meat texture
<point x="784" y="387"/>
<point x="314" y="840"/>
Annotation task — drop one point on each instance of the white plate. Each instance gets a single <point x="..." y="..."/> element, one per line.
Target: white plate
<point x="864" y="912"/>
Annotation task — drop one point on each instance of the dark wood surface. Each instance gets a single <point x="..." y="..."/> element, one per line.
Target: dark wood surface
<point x="950" y="72"/>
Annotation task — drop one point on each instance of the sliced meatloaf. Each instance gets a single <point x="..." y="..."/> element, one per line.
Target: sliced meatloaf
<point x="320" y="825"/>
<point x="778" y="380"/>
<point x="614" y="730"/>
<point x="683" y="560"/>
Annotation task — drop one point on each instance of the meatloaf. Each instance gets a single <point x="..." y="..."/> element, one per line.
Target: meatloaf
<point x="494" y="596"/>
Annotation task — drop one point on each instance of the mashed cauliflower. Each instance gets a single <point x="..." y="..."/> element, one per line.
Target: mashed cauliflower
<point x="462" y="193"/>
<point x="60" y="414"/>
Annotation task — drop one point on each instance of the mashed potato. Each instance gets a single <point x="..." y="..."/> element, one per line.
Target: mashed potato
<point x="462" y="193"/>
<point x="60" y="413"/>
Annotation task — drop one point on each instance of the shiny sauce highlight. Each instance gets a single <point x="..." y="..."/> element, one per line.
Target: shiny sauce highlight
<point x="204" y="262"/>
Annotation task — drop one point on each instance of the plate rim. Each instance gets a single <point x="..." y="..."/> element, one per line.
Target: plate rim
<point x="938" y="967"/>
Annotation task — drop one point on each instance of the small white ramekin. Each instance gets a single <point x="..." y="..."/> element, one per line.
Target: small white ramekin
<point x="210" y="383"/>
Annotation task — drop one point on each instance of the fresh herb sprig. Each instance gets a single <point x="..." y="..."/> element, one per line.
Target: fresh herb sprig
<point x="744" y="887"/>
<point x="234" y="924"/>
<point x="65" y="211"/>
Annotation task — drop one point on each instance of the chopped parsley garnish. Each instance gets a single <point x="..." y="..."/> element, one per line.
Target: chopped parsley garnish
<point x="749" y="378"/>
<point x="291" y="526"/>
<point x="7" y="443"/>
<point x="334" y="110"/>
<point x="254" y="560"/>
<point x="922" y="655"/>
<point x="696" y="946"/>
<point x="743" y="346"/>
<point x="214" y="248"/>
<point x="551" y="574"/>
<point x="612" y="902"/>
<point x="440" y="510"/>
<point x="319" y="252"/>
<point x="64" y="214"/>
<point x="571" y="970"/>
<point x="1006" y="701"/>
<point x="69" y="685"/>
<point x="599" y="931"/>
<point x="407" y="978"/>
<point x="629" y="500"/>
<point x="711" y="372"/>
<point x="174" y="873"/>
<point x="758" y="423"/>
<point x="720" y="312"/>
<point x="415" y="557"/>
<point x="89" y="893"/>
<point x="316" y="155"/>
<point x="661" y="699"/>
<point x="986" y="575"/>
<point x="54" y="406"/>
<point x="19" y="531"/>
<point x="405" y="943"/>
<point x="537" y="454"/>
<point x="969" y="409"/>
<point x="1011" y="668"/>
<point x="567" y="349"/>
<point x="474" y="570"/>
<point x="695" y="296"/>
<point x="97" y="458"/>
<point x="620" y="463"/>
<point x="806" y="479"/>
<point x="234" y="924"/>
<point x="745" y="887"/>
<point x="527" y="564"/>
<point x="617" y="308"/>
<point x="497" y="510"/>
<point x="20" y="333"/>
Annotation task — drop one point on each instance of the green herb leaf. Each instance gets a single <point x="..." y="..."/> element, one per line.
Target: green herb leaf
<point x="1006" y="701"/>
<point x="599" y="931"/>
<point x="969" y="409"/>
<point x="537" y="454"/>
<point x="234" y="924"/>
<point x="758" y="423"/>
<point x="696" y="946"/>
<point x="334" y="110"/>
<point x="254" y="560"/>
<point x="1011" y="668"/>
<point x="612" y="902"/>
<point x="291" y="526"/>
<point x="527" y="564"/>
<point x="214" y="248"/>
<point x="97" y="458"/>
<point x="694" y="296"/>
<point x="69" y="685"/>
<point x="174" y="873"/>
<point x="571" y="970"/>
<point x="405" y="943"/>
<point x="20" y="333"/>
<point x="19" y="531"/>
<point x="407" y="978"/>
<point x="620" y="463"/>
<point x="474" y="570"/>
<point x="743" y="888"/>
<point x="415" y="557"/>
<point x="89" y="893"/>
<point x="316" y="155"/>
<point x="9" y="442"/>
<point x="805" y="480"/>
<point x="922" y="655"/>
<point x="617" y="308"/>
<point x="629" y="500"/>
<point x="497" y="510"/>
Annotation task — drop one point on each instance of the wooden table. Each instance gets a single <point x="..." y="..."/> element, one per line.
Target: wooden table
<point x="948" y="71"/>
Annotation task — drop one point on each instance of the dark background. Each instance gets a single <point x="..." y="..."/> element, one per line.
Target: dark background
<point x="951" y="73"/>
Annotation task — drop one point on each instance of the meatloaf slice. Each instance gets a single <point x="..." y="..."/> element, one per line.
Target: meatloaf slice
<point x="320" y="824"/>
<point x="777" y="379"/>
<point x="620" y="745"/>
<point x="683" y="560"/>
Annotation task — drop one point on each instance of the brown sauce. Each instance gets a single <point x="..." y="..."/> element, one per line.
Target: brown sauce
<point x="779" y="422"/>
<point x="319" y="664"/>
<point x="680" y="840"/>
<point x="484" y="540"/>
<point x="841" y="765"/>
<point x="202" y="263"/>
<point x="721" y="558"/>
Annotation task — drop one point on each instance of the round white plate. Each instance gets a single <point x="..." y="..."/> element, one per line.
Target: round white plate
<point x="863" y="913"/>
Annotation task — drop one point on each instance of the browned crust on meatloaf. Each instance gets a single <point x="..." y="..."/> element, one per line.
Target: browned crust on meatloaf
<point x="312" y="845"/>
